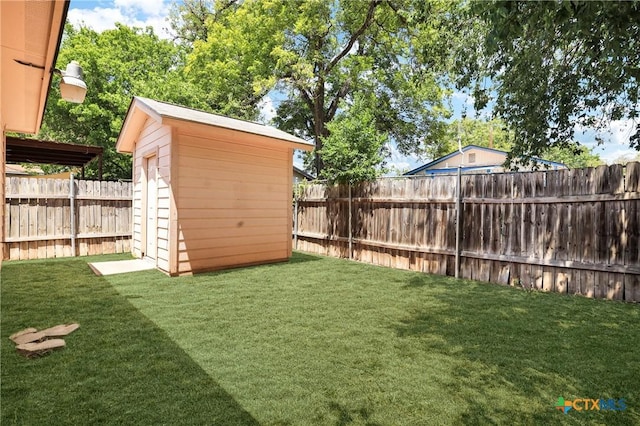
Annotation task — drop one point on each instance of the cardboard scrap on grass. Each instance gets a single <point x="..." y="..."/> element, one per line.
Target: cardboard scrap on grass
<point x="31" y="343"/>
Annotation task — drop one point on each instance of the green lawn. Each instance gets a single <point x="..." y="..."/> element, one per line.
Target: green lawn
<point x="313" y="341"/>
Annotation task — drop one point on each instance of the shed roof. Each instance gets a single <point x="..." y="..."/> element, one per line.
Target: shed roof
<point x="140" y="108"/>
<point x="306" y="175"/>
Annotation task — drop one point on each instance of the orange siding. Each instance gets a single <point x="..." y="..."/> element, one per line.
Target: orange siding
<point x="155" y="139"/>
<point x="235" y="201"/>
<point x="2" y="171"/>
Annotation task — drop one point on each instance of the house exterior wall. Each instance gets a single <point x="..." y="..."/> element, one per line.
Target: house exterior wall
<point x="3" y="144"/>
<point x="2" y="182"/>
<point x="154" y="139"/>
<point x="298" y="177"/>
<point x="234" y="202"/>
<point x="482" y="158"/>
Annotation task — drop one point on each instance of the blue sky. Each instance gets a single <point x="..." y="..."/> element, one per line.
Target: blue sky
<point x="103" y="14"/>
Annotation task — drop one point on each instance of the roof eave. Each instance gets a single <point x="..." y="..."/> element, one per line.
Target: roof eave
<point x="136" y="116"/>
<point x="53" y="48"/>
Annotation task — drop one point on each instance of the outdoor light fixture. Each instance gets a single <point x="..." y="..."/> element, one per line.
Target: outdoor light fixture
<point x="72" y="85"/>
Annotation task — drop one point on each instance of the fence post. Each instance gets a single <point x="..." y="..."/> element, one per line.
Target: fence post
<point x="72" y="204"/>
<point x="458" y="219"/>
<point x="350" y="231"/>
<point x="296" y="188"/>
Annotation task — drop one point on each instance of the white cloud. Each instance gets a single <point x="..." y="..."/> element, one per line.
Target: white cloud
<point x="621" y="131"/>
<point x="298" y="161"/>
<point x="134" y="13"/>
<point x="149" y="7"/>
<point x="398" y="163"/>
<point x="611" y="155"/>
<point x="615" y="139"/>
<point x="98" y="19"/>
<point x="464" y="98"/>
<point x="267" y="110"/>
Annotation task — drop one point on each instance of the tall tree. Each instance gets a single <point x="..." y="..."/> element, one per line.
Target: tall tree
<point x="117" y="64"/>
<point x="553" y="66"/>
<point x="189" y="18"/>
<point x="574" y="157"/>
<point x="354" y="149"/>
<point x="490" y="134"/>
<point x="319" y="54"/>
<point x="234" y="65"/>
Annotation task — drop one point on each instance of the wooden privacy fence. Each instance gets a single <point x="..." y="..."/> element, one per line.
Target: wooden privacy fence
<point x="568" y="231"/>
<point x="47" y="218"/>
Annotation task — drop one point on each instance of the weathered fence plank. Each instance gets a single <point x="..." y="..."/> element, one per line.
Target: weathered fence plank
<point x="38" y="218"/>
<point x="568" y="231"/>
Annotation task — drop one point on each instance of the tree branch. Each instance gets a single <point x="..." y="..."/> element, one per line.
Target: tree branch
<point x="224" y="7"/>
<point x="395" y="9"/>
<point x="331" y="112"/>
<point x="354" y="37"/>
<point x="306" y="97"/>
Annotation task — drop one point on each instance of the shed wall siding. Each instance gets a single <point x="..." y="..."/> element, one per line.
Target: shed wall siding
<point x="235" y="201"/>
<point x="155" y="139"/>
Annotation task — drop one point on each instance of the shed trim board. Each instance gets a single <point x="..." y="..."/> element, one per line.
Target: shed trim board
<point x="290" y="210"/>
<point x="150" y="209"/>
<point x="222" y="189"/>
<point x="173" y="206"/>
<point x="158" y="111"/>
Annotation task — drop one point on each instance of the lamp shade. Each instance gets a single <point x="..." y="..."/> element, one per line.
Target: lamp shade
<point x="72" y="85"/>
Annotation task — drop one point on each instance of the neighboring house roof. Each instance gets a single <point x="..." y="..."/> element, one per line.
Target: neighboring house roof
<point x="432" y="164"/>
<point x="19" y="170"/>
<point x="141" y="108"/>
<point x="303" y="173"/>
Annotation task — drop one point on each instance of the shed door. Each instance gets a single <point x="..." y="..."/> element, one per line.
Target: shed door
<point x="151" y="203"/>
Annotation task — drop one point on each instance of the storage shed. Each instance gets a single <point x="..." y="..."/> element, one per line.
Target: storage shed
<point x="210" y="192"/>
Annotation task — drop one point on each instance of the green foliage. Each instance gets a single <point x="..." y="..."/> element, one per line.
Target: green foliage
<point x="118" y="64"/>
<point x="319" y="54"/>
<point x="574" y="156"/>
<point x="489" y="134"/>
<point x="354" y="149"/>
<point x="495" y="134"/>
<point x="554" y="66"/>
<point x="234" y="64"/>
<point x="188" y="19"/>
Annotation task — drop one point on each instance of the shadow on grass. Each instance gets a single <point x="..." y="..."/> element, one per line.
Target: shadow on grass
<point x="347" y="417"/>
<point x="118" y="368"/>
<point x="295" y="258"/>
<point x="417" y="282"/>
<point x="529" y="348"/>
<point x="298" y="257"/>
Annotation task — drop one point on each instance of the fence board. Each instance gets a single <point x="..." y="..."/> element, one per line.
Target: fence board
<point x="567" y="231"/>
<point x="38" y="218"/>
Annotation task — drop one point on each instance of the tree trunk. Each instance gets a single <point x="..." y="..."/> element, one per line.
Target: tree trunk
<point x="319" y="124"/>
<point x="320" y="131"/>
